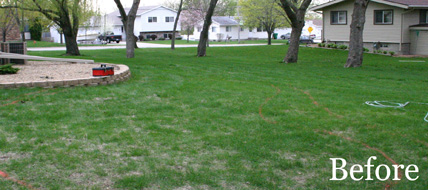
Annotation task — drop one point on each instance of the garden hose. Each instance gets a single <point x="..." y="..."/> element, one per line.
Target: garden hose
<point x="387" y="104"/>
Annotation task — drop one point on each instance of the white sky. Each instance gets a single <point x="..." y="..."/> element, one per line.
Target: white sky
<point x="108" y="6"/>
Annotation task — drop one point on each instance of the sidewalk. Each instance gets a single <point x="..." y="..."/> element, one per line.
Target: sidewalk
<point x="140" y="45"/>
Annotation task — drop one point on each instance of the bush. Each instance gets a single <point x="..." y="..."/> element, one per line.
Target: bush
<point x="147" y="39"/>
<point x="36" y="29"/>
<point x="179" y="38"/>
<point x="343" y="47"/>
<point x="161" y="39"/>
<point x="365" y="49"/>
<point x="321" y="45"/>
<point x="141" y="38"/>
<point x="8" y="69"/>
<point x="391" y="53"/>
<point x="379" y="51"/>
<point x="153" y="37"/>
<point x="385" y="52"/>
<point x="332" y="45"/>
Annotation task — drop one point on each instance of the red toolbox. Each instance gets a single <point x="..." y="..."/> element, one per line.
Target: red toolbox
<point x="102" y="71"/>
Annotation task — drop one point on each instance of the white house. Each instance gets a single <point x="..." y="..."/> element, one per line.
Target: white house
<point x="391" y="25"/>
<point x="150" y="20"/>
<point x="225" y="27"/>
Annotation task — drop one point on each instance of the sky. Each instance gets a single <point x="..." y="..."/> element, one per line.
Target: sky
<point x="107" y="6"/>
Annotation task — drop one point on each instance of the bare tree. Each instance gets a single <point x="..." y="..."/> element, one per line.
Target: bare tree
<point x="7" y="21"/>
<point x="203" y="39"/>
<point x="180" y="7"/>
<point x="296" y="11"/>
<point x="355" y="55"/>
<point x="128" y="21"/>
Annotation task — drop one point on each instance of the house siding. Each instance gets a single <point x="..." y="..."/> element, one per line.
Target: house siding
<point x="160" y="25"/>
<point x="390" y="33"/>
<point x="409" y="18"/>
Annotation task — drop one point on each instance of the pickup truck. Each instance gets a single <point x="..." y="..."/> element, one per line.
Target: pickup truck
<point x="110" y="38"/>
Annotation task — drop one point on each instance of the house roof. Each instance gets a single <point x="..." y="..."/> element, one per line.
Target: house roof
<point x="411" y="3"/>
<point x="405" y="4"/>
<point x="224" y="20"/>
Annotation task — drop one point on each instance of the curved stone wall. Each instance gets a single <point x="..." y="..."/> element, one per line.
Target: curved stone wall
<point x="121" y="73"/>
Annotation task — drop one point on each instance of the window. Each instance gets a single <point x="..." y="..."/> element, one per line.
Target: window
<point x="153" y="19"/>
<point x="242" y="29"/>
<point x="260" y="29"/>
<point x="383" y="17"/>
<point x="250" y="29"/>
<point x="228" y="29"/>
<point x="199" y="29"/>
<point x="339" y="17"/>
<point x="169" y="19"/>
<point x="214" y="29"/>
<point x="424" y="17"/>
<point x="165" y="36"/>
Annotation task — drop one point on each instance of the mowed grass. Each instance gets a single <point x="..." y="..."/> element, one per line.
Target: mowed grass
<point x="196" y="123"/>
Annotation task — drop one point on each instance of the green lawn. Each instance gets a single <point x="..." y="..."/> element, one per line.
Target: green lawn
<point x="237" y="119"/>
<point x="184" y="42"/>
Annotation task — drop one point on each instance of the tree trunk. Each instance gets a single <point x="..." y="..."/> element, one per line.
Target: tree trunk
<point x="203" y="39"/>
<point x="188" y="33"/>
<point x="175" y="25"/>
<point x="4" y="36"/>
<point x="135" y="42"/>
<point x="70" y="42"/>
<point x="269" y="37"/>
<point x="60" y="35"/>
<point x="128" y="25"/>
<point x="297" y="19"/>
<point x="130" y="39"/>
<point x="356" y="45"/>
<point x="293" y="48"/>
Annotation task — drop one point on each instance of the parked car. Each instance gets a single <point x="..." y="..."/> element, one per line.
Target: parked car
<point x="286" y="36"/>
<point x="110" y="37"/>
<point x="305" y="40"/>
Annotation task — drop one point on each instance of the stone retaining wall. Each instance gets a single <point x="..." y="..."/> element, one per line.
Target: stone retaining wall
<point x="121" y="73"/>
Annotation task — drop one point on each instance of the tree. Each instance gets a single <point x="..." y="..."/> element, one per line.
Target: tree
<point x="7" y="19"/>
<point x="175" y="24"/>
<point x="203" y="40"/>
<point x="128" y="21"/>
<point x="67" y="14"/>
<point x="355" y="55"/>
<point x="263" y="13"/>
<point x="295" y="11"/>
<point x="188" y="22"/>
<point x="36" y="29"/>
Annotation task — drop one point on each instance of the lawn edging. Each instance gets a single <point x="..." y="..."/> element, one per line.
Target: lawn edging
<point x="122" y="73"/>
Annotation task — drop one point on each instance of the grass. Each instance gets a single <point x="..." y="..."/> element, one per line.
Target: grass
<point x="184" y="42"/>
<point x="188" y="122"/>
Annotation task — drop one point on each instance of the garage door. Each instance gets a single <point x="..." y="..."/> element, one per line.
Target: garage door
<point x="419" y="42"/>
